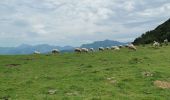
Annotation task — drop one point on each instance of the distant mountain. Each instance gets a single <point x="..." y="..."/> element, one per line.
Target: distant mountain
<point x="28" y="49"/>
<point x="160" y="33"/>
<point x="105" y="43"/>
<point x="45" y="48"/>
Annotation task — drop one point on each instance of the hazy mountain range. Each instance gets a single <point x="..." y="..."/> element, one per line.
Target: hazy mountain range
<point x="105" y="43"/>
<point x="45" y="48"/>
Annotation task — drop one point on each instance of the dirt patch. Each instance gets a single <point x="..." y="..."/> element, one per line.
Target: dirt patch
<point x="13" y="65"/>
<point x="162" y="84"/>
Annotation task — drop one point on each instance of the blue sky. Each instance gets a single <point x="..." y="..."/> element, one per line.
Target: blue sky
<point x="73" y="22"/>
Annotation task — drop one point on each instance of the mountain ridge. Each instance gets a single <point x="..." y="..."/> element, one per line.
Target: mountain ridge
<point x="45" y="48"/>
<point x="105" y="43"/>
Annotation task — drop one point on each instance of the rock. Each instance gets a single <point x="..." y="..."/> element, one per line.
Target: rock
<point x="110" y="78"/>
<point x="51" y="92"/>
<point x="5" y="98"/>
<point x="147" y="74"/>
<point x="72" y="93"/>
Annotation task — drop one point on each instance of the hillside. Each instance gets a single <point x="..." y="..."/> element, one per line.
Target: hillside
<point x="108" y="75"/>
<point x="159" y="34"/>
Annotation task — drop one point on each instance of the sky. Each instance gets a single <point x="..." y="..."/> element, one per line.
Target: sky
<point x="75" y="22"/>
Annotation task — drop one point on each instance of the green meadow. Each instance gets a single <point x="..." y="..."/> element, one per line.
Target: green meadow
<point x="108" y="75"/>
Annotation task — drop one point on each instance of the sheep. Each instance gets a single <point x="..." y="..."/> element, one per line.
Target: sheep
<point x="92" y="49"/>
<point x="120" y="46"/>
<point x="107" y="48"/>
<point x="127" y="45"/>
<point x="84" y="50"/>
<point x="166" y="42"/>
<point x="55" y="51"/>
<point x="115" y="48"/>
<point x="156" y="44"/>
<point x="78" y="50"/>
<point x="101" y="49"/>
<point x="132" y="47"/>
<point x="37" y="52"/>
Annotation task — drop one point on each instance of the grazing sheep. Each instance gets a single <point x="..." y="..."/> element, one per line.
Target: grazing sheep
<point x="166" y="42"/>
<point x="127" y="45"/>
<point x="132" y="47"/>
<point x="92" y="49"/>
<point x="78" y="50"/>
<point x="120" y="46"/>
<point x="55" y="51"/>
<point x="107" y="48"/>
<point x="112" y="47"/>
<point x="156" y="44"/>
<point x="85" y="50"/>
<point x="115" y="48"/>
<point x="37" y="52"/>
<point x="101" y="49"/>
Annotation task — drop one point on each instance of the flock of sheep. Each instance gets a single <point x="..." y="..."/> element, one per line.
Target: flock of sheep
<point x="157" y="44"/>
<point x="86" y="50"/>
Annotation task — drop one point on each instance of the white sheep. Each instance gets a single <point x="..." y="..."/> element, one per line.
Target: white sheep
<point x="92" y="49"/>
<point x="84" y="50"/>
<point x="126" y="45"/>
<point x="101" y="48"/>
<point x="120" y="46"/>
<point x="37" y="52"/>
<point x="78" y="50"/>
<point x="156" y="44"/>
<point x="108" y="48"/>
<point x="115" y="48"/>
<point x="132" y="47"/>
<point x="55" y="51"/>
<point x="166" y="41"/>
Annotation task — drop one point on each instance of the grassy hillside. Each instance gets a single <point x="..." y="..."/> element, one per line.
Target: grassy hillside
<point x="109" y="75"/>
<point x="160" y="33"/>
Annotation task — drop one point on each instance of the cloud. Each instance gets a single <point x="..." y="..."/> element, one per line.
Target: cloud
<point x="72" y="22"/>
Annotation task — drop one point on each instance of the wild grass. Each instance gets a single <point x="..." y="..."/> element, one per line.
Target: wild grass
<point x="108" y="75"/>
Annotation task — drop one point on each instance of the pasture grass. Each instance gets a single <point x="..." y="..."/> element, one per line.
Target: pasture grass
<point x="108" y="75"/>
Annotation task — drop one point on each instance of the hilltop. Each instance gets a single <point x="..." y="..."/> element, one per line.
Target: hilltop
<point x="160" y="33"/>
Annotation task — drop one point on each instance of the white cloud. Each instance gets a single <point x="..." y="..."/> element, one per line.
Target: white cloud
<point x="72" y="22"/>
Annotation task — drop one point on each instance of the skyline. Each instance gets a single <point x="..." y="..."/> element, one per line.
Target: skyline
<point x="75" y="22"/>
